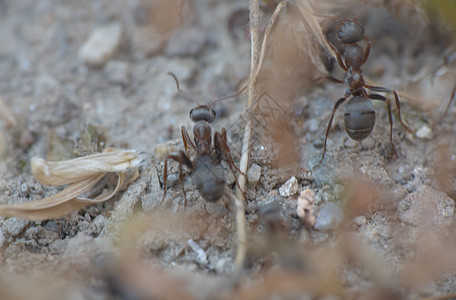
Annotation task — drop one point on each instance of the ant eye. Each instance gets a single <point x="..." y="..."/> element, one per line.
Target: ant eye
<point x="340" y="34"/>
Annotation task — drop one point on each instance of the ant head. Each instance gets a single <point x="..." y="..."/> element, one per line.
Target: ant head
<point x="350" y="31"/>
<point x="202" y="112"/>
<point x="359" y="118"/>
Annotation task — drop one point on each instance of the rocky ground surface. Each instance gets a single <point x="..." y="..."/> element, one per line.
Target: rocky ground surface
<point x="363" y="224"/>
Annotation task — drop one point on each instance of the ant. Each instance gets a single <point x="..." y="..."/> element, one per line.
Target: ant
<point x="359" y="115"/>
<point x="206" y="169"/>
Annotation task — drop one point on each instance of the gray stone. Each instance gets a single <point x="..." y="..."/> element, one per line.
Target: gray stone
<point x="101" y="45"/>
<point x="289" y="188"/>
<point x="426" y="207"/>
<point x="329" y="217"/>
<point x="253" y="175"/>
<point x="98" y="224"/>
<point x="14" y="226"/>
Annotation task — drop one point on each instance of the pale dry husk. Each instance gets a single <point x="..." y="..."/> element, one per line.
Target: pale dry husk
<point x="81" y="174"/>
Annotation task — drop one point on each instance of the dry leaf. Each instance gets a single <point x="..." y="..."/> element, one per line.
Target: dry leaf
<point x="82" y="174"/>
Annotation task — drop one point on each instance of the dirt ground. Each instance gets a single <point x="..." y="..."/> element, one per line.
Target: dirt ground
<point x="379" y="226"/>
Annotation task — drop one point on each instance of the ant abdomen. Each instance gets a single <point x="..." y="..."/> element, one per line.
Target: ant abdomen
<point x="350" y="32"/>
<point x="359" y="118"/>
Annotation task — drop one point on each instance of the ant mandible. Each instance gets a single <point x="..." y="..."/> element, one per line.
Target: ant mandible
<point x="206" y="169"/>
<point x="359" y="115"/>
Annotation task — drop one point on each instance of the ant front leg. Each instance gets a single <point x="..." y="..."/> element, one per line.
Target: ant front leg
<point x="221" y="146"/>
<point x="396" y="98"/>
<point x="339" y="102"/>
<point x="181" y="159"/>
<point x="388" y="105"/>
<point x="339" y="58"/>
<point x="366" y="53"/>
<point x="187" y="140"/>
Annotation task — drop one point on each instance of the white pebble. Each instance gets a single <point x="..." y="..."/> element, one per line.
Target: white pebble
<point x="424" y="133"/>
<point x="202" y="257"/>
<point x="254" y="173"/>
<point x="101" y="45"/>
<point x="289" y="188"/>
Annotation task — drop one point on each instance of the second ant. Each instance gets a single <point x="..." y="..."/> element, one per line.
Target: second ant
<point x="359" y="115"/>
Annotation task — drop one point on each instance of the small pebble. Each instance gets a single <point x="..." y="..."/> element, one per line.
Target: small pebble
<point x="118" y="72"/>
<point x="101" y="45"/>
<point x="14" y="226"/>
<point x="359" y="220"/>
<point x="329" y="217"/>
<point x="424" y="133"/>
<point x="289" y="188"/>
<point x="201" y="255"/>
<point x="313" y="125"/>
<point x="253" y="175"/>
<point x="24" y="188"/>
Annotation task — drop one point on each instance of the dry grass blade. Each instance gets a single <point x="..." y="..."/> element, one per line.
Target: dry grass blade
<point x="55" y="206"/>
<point x="82" y="174"/>
<point x="69" y="171"/>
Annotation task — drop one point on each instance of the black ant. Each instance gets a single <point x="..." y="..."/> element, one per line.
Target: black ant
<point x="207" y="171"/>
<point x="359" y="115"/>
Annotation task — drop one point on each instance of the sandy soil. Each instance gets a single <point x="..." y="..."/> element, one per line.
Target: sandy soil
<point x="390" y="233"/>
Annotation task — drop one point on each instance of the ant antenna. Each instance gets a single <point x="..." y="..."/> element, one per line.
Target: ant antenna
<point x="182" y="92"/>
<point x="228" y="97"/>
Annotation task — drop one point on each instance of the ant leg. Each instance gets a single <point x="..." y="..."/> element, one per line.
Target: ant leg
<point x="330" y="78"/>
<point x="339" y="57"/>
<point x="181" y="159"/>
<point x="366" y="53"/>
<point x="187" y="140"/>
<point x="388" y="105"/>
<point x="220" y="145"/>
<point x="451" y="100"/>
<point x="339" y="102"/>
<point x="226" y="149"/>
<point x="396" y="98"/>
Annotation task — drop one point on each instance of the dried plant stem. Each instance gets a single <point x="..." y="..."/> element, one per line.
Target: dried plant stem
<point x="254" y="17"/>
<point x="256" y="62"/>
